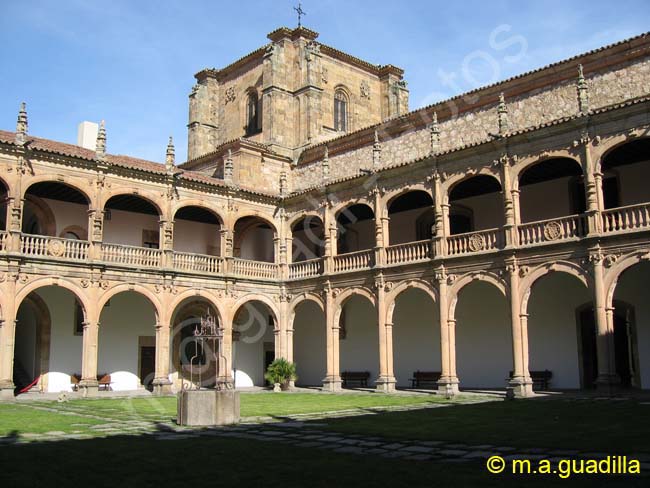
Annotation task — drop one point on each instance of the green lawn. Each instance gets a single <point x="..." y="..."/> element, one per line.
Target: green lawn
<point x="613" y="426"/>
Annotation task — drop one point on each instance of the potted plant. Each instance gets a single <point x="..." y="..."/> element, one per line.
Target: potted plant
<point x="280" y="373"/>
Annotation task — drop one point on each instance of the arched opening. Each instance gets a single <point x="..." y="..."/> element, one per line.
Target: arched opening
<point x="4" y="204"/>
<point x="196" y="230"/>
<point x="253" y="114"/>
<point x="308" y="239"/>
<point x="625" y="173"/>
<point x="309" y="344"/>
<point x="127" y="341"/>
<point x="49" y="340"/>
<point x="356" y="228"/>
<point x="411" y="217"/>
<point x="559" y="177"/>
<point x="483" y="336"/>
<point x="131" y="220"/>
<point x="51" y="207"/>
<point x="253" y="347"/>
<point x="191" y="363"/>
<point x="359" y="339"/>
<point x="555" y="333"/>
<point x="631" y="316"/>
<point x="254" y="239"/>
<point x="340" y="111"/>
<point x="475" y="204"/>
<point x="416" y="337"/>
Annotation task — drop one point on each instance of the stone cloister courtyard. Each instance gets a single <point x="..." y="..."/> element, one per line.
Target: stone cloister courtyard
<point x="356" y="438"/>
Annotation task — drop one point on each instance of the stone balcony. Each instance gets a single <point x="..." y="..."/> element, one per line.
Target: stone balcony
<point x="572" y="228"/>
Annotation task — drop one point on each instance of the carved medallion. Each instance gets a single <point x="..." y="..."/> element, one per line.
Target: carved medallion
<point x="552" y="231"/>
<point x="476" y="242"/>
<point x="230" y="94"/>
<point x="56" y="248"/>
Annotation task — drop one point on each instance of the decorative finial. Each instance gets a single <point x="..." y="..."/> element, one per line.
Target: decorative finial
<point x="326" y="164"/>
<point x="502" y="112"/>
<point x="228" y="168"/>
<point x="376" y="152"/>
<point x="583" y="92"/>
<point x="100" y="147"/>
<point x="170" y="156"/>
<point x="300" y="13"/>
<point x="21" y="125"/>
<point x="435" y="133"/>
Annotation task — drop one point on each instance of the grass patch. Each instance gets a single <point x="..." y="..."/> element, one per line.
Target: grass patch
<point x="20" y="419"/>
<point x="603" y="425"/>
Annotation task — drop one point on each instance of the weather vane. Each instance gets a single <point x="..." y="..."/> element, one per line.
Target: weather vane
<point x="300" y="12"/>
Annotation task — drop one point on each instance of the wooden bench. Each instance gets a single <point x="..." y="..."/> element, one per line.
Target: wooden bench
<point x="74" y="381"/>
<point x="355" y="377"/>
<point x="541" y="379"/>
<point x="104" y="382"/>
<point x="422" y="378"/>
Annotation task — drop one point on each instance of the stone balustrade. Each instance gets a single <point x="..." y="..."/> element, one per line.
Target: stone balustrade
<point x="410" y="252"/>
<point x="354" y="261"/>
<point x="200" y="263"/>
<point x="474" y="242"/>
<point x="53" y="247"/>
<point x="626" y="219"/>
<point x="306" y="269"/>
<point x="552" y="230"/>
<point x="247" y="268"/>
<point x="141" y="257"/>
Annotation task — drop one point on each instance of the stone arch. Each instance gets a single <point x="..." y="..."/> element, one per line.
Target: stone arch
<point x="256" y="297"/>
<point x="147" y="196"/>
<point x="303" y="297"/>
<point x="170" y="311"/>
<point x="268" y="219"/>
<point x="301" y="215"/>
<point x="197" y="203"/>
<point x="394" y="194"/>
<point x="78" y="293"/>
<point x="457" y="179"/>
<point x="43" y="338"/>
<point x="347" y="294"/>
<point x="349" y="203"/>
<point x="527" y="163"/>
<point x="79" y="231"/>
<point x="618" y="268"/>
<point x="526" y="285"/>
<point x="468" y="278"/>
<point x="607" y="146"/>
<point x="76" y="184"/>
<point x="393" y="294"/>
<point x="125" y="287"/>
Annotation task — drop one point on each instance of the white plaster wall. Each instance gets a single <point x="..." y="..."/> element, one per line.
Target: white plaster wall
<point x="128" y="317"/>
<point x="633" y="289"/>
<point x="25" y="342"/>
<point x="535" y="204"/>
<point x="416" y="336"/>
<point x="309" y="344"/>
<point x="67" y="214"/>
<point x="252" y="322"/>
<point x="65" y="347"/>
<point x="196" y="237"/>
<point x="483" y="337"/>
<point x="126" y="227"/>
<point x="553" y="327"/>
<point x="359" y="351"/>
<point x="257" y="245"/>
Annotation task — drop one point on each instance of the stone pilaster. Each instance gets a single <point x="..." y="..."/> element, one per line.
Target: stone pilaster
<point x="7" y="341"/>
<point x="332" y="380"/>
<point x="162" y="383"/>
<point x="386" y="381"/>
<point x="448" y="382"/>
<point x="88" y="383"/>
<point x="520" y="385"/>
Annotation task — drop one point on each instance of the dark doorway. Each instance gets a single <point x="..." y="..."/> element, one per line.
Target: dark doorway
<point x="147" y="366"/>
<point x="624" y="340"/>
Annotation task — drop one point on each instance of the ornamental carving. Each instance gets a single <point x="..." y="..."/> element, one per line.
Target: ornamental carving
<point x="364" y="89"/>
<point x="56" y="248"/>
<point x="476" y="242"/>
<point x="230" y="94"/>
<point x="552" y="231"/>
<point x="610" y="260"/>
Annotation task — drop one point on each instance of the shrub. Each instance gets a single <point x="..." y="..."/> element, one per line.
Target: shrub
<point x="281" y="371"/>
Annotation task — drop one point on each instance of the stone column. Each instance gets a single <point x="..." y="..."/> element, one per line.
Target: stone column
<point x="95" y="233"/>
<point x="520" y="385"/>
<point x="440" y="232"/>
<point x="591" y="191"/>
<point x="510" y="228"/>
<point x="88" y="382"/>
<point x="607" y="379"/>
<point x="386" y="381"/>
<point x="162" y="383"/>
<point x="226" y="249"/>
<point x="167" y="242"/>
<point x="7" y="340"/>
<point x="448" y="382"/>
<point x="446" y="229"/>
<point x="330" y="232"/>
<point x="332" y="380"/>
<point x="381" y="239"/>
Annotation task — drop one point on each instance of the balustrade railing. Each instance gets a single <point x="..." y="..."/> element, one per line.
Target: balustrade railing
<point x="474" y="242"/>
<point x="254" y="269"/>
<point x="132" y="255"/>
<point x="306" y="269"/>
<point x="629" y="218"/>
<point x="560" y="229"/>
<point x="409" y="252"/>
<point x="4" y="239"/>
<point x="53" y="247"/>
<point x="202" y="263"/>
<point x="354" y="260"/>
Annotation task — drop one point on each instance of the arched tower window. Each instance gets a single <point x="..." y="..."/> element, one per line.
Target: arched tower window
<point x="340" y="111"/>
<point x="253" y="119"/>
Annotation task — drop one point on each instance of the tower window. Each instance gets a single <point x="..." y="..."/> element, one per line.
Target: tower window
<point x="253" y="119"/>
<point x="340" y="111"/>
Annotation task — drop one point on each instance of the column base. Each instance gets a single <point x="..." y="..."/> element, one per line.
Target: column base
<point x="608" y="384"/>
<point x="332" y="383"/>
<point x="519" y="388"/>
<point x="162" y="386"/>
<point x="7" y="391"/>
<point x="89" y="388"/>
<point x="385" y="384"/>
<point x="448" y="386"/>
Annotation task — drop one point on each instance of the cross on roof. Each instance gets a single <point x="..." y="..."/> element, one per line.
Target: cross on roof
<point x="300" y="12"/>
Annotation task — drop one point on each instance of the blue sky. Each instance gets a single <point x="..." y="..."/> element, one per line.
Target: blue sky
<point x="132" y="62"/>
